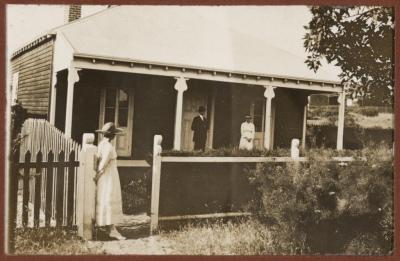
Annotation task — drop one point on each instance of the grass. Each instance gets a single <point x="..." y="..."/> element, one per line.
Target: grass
<point x="216" y="237"/>
<point x="48" y="241"/>
<point x="245" y="237"/>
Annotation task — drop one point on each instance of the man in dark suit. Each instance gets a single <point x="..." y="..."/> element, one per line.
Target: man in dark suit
<point x="199" y="128"/>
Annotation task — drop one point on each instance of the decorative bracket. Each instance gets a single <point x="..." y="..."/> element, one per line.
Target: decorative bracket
<point x="180" y="84"/>
<point x="73" y="75"/>
<point x="157" y="145"/>
<point x="269" y="92"/>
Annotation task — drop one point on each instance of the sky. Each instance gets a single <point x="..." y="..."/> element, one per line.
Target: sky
<point x="25" y="22"/>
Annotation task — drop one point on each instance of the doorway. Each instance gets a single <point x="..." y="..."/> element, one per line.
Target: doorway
<point x="192" y="100"/>
<point x="116" y="105"/>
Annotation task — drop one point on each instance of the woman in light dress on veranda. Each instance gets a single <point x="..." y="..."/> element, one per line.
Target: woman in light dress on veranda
<point x="108" y="197"/>
<point x="247" y="131"/>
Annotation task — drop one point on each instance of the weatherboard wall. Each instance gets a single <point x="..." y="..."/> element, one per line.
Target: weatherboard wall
<point x="34" y="82"/>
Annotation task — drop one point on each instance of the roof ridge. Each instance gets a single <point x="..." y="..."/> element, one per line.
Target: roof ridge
<point x="82" y="19"/>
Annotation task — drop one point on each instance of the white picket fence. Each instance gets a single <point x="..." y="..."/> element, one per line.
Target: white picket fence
<point x="39" y="135"/>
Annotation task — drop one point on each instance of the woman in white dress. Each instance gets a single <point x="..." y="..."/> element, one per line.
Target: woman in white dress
<point x="108" y="197"/>
<point x="247" y="131"/>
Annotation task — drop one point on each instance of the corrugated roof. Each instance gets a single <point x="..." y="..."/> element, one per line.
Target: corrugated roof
<point x="184" y="36"/>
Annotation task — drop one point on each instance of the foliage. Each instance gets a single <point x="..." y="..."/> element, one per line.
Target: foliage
<point x="18" y="116"/>
<point x="280" y="152"/>
<point x="246" y="237"/>
<point x="366" y="111"/>
<point x="331" y="111"/>
<point x="322" y="206"/>
<point x="136" y="194"/>
<point x="315" y="112"/>
<point x="358" y="39"/>
<point x="48" y="241"/>
<point x="364" y="244"/>
<point x="229" y="152"/>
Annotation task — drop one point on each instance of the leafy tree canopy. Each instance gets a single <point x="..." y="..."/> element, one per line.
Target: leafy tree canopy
<point x="358" y="39"/>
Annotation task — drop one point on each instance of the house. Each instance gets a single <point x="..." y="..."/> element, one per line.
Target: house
<point x="323" y="99"/>
<point x="148" y="69"/>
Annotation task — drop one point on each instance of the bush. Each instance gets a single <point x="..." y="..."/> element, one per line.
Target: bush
<point x="321" y="206"/>
<point x="323" y="111"/>
<point x="229" y="152"/>
<point x="366" y="111"/>
<point x="136" y="193"/>
<point x="364" y="244"/>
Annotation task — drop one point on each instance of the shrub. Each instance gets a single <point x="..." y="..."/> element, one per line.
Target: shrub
<point x="321" y="206"/>
<point x="367" y="111"/>
<point x="229" y="152"/>
<point x="323" y="111"/>
<point x="136" y="193"/>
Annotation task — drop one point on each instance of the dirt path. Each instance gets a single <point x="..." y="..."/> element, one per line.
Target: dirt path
<point x="143" y="246"/>
<point x="138" y="242"/>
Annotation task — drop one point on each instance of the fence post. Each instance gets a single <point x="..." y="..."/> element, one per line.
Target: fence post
<point x="342" y="106"/>
<point x="59" y="196"/>
<point x="294" y="149"/>
<point x="86" y="188"/>
<point x="49" y="189"/>
<point x="71" y="189"/>
<point x="295" y="154"/>
<point x="155" y="186"/>
<point x="12" y="200"/>
<point x="25" y="193"/>
<point x="38" y="189"/>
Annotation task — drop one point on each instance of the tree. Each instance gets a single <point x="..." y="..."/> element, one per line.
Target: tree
<point x="358" y="39"/>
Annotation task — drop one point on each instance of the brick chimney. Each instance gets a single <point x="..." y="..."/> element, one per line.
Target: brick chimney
<point x="74" y="12"/>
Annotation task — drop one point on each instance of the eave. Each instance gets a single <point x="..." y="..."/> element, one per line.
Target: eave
<point x="31" y="45"/>
<point x="86" y="61"/>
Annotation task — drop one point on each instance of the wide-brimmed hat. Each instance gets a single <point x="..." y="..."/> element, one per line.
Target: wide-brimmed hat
<point x="109" y="128"/>
<point x="202" y="109"/>
<point x="248" y="117"/>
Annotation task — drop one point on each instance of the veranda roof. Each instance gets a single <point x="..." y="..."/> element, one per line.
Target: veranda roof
<point x="183" y="36"/>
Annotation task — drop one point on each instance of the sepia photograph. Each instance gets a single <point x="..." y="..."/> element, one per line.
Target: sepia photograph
<point x="200" y="130"/>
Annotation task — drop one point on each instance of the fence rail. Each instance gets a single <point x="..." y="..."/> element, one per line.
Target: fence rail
<point x="248" y="159"/>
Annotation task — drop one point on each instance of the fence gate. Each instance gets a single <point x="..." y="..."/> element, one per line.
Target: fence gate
<point x="58" y="170"/>
<point x="43" y="179"/>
